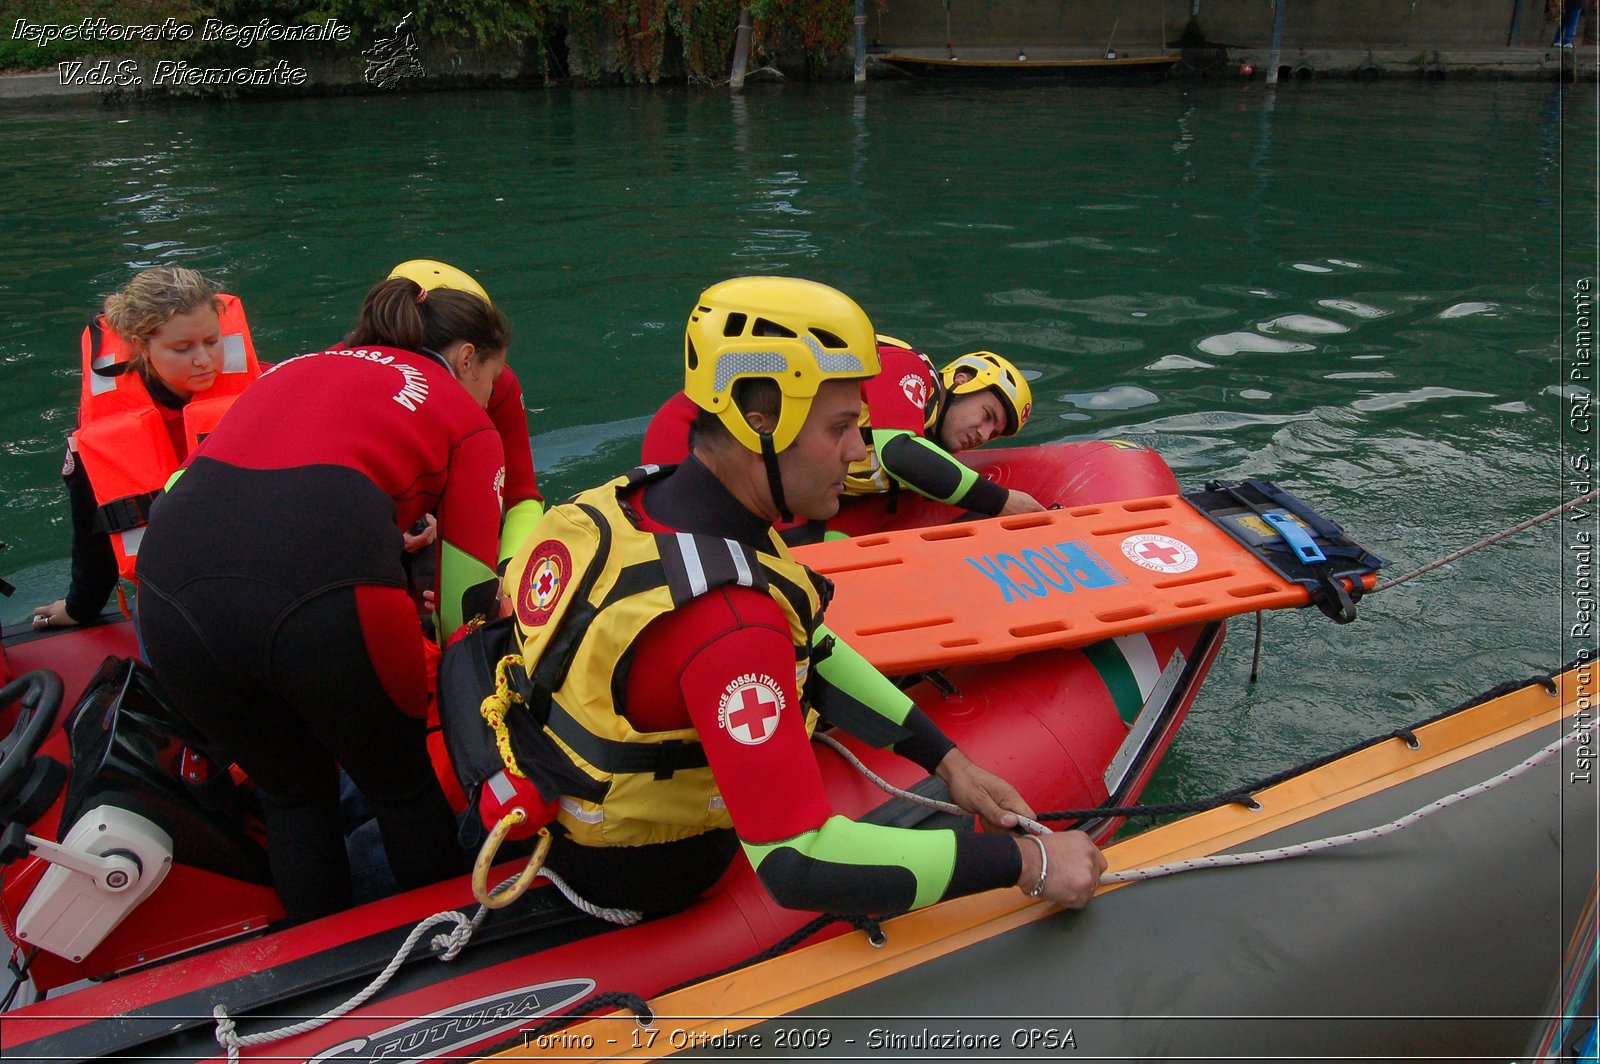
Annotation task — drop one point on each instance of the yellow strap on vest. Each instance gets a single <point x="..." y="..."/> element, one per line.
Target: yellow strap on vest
<point x="495" y="707"/>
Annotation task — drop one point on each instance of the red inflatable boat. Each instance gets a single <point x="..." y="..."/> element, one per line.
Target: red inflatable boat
<point x="136" y="894"/>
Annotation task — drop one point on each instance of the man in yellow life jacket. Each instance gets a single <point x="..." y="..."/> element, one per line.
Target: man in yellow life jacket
<point x="678" y="656"/>
<point x="161" y="365"/>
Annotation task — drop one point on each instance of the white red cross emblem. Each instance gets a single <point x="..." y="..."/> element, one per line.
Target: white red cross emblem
<point x="915" y="385"/>
<point x="543" y="580"/>
<point x="1161" y="554"/>
<point x="750" y="709"/>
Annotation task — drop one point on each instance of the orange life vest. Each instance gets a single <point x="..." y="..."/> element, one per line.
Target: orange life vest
<point x="122" y="437"/>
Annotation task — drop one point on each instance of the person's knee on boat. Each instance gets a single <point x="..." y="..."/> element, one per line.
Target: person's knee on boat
<point x="165" y="324"/>
<point x="711" y="666"/>
<point x="295" y="644"/>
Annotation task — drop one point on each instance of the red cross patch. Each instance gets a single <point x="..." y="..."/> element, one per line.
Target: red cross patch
<point x="543" y="581"/>
<point x="1161" y="554"/>
<point x="916" y="388"/>
<point x="750" y="709"/>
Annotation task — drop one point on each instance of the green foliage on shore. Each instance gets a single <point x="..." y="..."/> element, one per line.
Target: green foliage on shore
<point x="21" y="52"/>
<point x="627" y="40"/>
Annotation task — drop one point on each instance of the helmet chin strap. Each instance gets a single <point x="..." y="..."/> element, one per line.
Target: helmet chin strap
<point x="945" y="398"/>
<point x="769" y="458"/>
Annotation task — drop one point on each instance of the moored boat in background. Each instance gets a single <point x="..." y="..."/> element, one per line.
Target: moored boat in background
<point x="1119" y="68"/>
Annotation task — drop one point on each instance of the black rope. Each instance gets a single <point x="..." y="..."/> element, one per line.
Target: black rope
<point x="19" y="974"/>
<point x="611" y="999"/>
<point x="869" y="924"/>
<point x="1242" y="795"/>
<point x="646" y="1015"/>
<point x="1255" y="655"/>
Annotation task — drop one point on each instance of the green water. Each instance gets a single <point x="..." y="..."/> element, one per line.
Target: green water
<point x="1364" y="292"/>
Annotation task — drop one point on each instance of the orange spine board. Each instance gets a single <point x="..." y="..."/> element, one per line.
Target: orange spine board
<point x="982" y="591"/>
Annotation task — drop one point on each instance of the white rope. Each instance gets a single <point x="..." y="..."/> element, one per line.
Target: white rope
<point x="1229" y="860"/>
<point x="229" y="1039"/>
<point x="1225" y="860"/>
<point x="448" y="945"/>
<point x="1496" y="538"/>
<point x="624" y="917"/>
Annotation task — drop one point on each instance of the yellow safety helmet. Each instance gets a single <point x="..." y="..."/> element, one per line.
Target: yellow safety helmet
<point x="794" y="332"/>
<point x="431" y="274"/>
<point x="993" y="372"/>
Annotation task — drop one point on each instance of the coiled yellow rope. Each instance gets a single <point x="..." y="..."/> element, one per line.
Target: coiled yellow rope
<point x="495" y="707"/>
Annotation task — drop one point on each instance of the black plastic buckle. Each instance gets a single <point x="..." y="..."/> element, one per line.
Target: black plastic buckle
<point x="124" y="514"/>
<point x="1331" y="597"/>
<point x="672" y="755"/>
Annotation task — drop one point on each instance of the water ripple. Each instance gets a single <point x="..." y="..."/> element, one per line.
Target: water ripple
<point x="1119" y="397"/>
<point x="1467" y="310"/>
<point x="1303" y="323"/>
<point x="1178" y="362"/>
<point x="1235" y="342"/>
<point x="1399" y="400"/>
<point x="1353" y="307"/>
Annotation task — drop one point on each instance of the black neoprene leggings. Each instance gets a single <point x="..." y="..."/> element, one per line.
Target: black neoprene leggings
<point x="294" y="671"/>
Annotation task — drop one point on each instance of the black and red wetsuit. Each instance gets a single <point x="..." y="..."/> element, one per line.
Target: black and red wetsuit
<point x="273" y="603"/>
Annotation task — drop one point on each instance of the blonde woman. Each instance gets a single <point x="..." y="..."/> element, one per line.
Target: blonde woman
<point x="161" y="364"/>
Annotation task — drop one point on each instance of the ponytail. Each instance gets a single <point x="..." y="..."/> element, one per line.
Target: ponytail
<point x="389" y="316"/>
<point x="400" y="313"/>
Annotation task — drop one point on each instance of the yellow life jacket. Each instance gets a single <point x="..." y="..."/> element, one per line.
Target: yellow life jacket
<point x="867" y="476"/>
<point x="122" y="437"/>
<point x="584" y="586"/>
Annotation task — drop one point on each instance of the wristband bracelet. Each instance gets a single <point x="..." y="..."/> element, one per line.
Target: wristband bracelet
<point x="1037" y="889"/>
